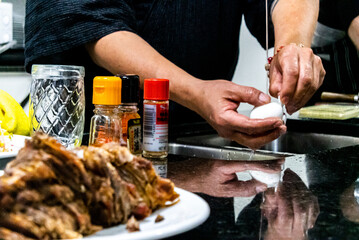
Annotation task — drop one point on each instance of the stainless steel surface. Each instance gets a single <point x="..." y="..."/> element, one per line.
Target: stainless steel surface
<point x="291" y="142"/>
<point x="243" y="154"/>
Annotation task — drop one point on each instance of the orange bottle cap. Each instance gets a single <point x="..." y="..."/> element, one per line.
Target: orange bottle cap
<point x="106" y="90"/>
<point x="156" y="89"/>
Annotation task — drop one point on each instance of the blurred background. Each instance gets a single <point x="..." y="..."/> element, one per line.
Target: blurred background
<point x="13" y="77"/>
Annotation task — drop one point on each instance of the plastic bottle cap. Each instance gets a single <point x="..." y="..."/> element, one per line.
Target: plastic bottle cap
<point x="130" y="88"/>
<point x="106" y="90"/>
<point x="156" y="89"/>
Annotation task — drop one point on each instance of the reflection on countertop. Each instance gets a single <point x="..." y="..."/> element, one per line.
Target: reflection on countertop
<point x="313" y="200"/>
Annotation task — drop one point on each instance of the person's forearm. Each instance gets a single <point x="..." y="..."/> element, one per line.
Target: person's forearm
<point x="353" y="32"/>
<point x="125" y="52"/>
<point x="294" y="21"/>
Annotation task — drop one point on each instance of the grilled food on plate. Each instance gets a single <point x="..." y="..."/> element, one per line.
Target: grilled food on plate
<point x="48" y="192"/>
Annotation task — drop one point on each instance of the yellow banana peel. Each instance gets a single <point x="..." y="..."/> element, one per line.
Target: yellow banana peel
<point x="12" y="116"/>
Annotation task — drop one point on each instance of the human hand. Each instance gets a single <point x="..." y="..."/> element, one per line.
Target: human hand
<point x="218" y="177"/>
<point x="217" y="102"/>
<point x="291" y="210"/>
<point x="295" y="74"/>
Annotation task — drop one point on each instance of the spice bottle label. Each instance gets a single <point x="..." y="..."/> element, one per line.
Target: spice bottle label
<point x="161" y="170"/>
<point x="134" y="131"/>
<point x="155" y="133"/>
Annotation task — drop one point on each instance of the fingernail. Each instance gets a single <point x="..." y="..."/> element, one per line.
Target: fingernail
<point x="284" y="100"/>
<point x="278" y="124"/>
<point x="264" y="98"/>
<point x="291" y="110"/>
<point x="282" y="131"/>
<point x="260" y="189"/>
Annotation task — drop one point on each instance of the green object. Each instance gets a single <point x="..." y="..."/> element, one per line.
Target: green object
<point x="330" y="111"/>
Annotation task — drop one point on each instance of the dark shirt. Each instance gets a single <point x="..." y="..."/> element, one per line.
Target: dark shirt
<point x="342" y="67"/>
<point x="338" y="14"/>
<point x="199" y="36"/>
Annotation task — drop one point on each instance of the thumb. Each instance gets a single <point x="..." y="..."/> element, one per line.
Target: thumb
<point x="251" y="95"/>
<point x="244" y="188"/>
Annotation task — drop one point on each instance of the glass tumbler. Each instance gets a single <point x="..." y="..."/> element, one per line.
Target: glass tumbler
<point x="57" y="102"/>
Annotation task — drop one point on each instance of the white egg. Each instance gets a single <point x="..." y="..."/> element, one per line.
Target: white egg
<point x="272" y="109"/>
<point x="271" y="179"/>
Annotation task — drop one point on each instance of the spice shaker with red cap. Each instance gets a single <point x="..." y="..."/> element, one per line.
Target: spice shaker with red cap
<point x="155" y="118"/>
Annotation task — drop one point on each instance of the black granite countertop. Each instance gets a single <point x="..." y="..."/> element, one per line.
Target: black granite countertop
<point x="314" y="200"/>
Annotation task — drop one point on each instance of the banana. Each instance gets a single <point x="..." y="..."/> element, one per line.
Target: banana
<point x="12" y="116"/>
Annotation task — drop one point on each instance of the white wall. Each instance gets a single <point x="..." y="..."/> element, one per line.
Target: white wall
<point x="250" y="69"/>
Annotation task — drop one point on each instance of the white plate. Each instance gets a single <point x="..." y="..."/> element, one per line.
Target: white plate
<point x="189" y="213"/>
<point x="17" y="142"/>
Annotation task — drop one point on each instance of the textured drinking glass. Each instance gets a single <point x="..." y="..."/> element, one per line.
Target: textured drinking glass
<point x="57" y="102"/>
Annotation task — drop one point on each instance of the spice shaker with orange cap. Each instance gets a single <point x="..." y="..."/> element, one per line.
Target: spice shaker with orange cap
<point x="106" y="123"/>
<point x="155" y="118"/>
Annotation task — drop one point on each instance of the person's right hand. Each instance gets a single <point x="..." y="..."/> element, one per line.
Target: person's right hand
<point x="290" y="210"/>
<point x="218" y="178"/>
<point x="217" y="102"/>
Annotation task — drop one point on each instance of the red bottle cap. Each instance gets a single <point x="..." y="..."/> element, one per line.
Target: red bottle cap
<point x="156" y="89"/>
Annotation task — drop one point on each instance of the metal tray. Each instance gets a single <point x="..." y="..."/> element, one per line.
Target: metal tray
<point x="224" y="153"/>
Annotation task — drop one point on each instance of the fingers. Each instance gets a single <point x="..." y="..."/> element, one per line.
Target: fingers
<point x="310" y="79"/>
<point x="319" y="68"/>
<point x="306" y="85"/>
<point x="300" y="219"/>
<point x="249" y="126"/>
<point x="295" y="75"/>
<point x="296" y="182"/>
<point x="232" y="167"/>
<point x="270" y="205"/>
<point x="285" y="205"/>
<point x="305" y="204"/>
<point x="313" y="212"/>
<point x="265" y="166"/>
<point x="243" y="188"/>
<point x="322" y="70"/>
<point x="289" y="61"/>
<point x="249" y="95"/>
<point x="276" y="80"/>
<point x="252" y="133"/>
<point x="306" y="211"/>
<point x="256" y="141"/>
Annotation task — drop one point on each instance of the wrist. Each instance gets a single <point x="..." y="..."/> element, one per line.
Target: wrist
<point x="298" y="43"/>
<point x="277" y="50"/>
<point x="185" y="91"/>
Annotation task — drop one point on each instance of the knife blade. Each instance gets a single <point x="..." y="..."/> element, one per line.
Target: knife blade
<point x="339" y="97"/>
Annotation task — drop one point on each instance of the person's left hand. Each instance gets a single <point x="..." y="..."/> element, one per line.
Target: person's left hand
<point x="295" y="75"/>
